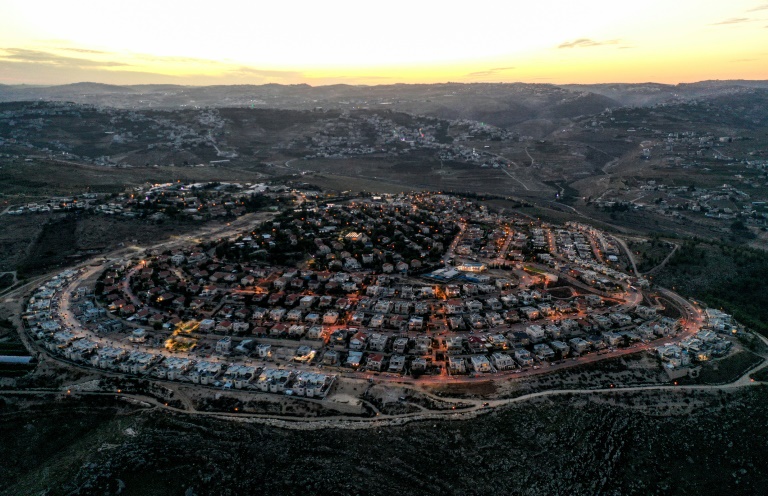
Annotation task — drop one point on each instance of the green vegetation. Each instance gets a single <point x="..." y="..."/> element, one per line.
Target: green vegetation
<point x="724" y="370"/>
<point x="67" y="178"/>
<point x="534" y="270"/>
<point x="723" y="275"/>
<point x="629" y="370"/>
<point x="693" y="442"/>
<point x="13" y="349"/>
<point x="179" y="344"/>
<point x="760" y="375"/>
<point x="650" y="253"/>
<point x="6" y="280"/>
<point x="14" y="370"/>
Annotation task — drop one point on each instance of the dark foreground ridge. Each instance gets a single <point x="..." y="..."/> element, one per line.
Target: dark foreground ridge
<point x="697" y="442"/>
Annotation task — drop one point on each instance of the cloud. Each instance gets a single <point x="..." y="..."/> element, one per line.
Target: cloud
<point x="58" y="66"/>
<point x="254" y="71"/>
<point x="346" y="79"/>
<point x="733" y="20"/>
<point x="40" y="57"/>
<point x="221" y="66"/>
<point x="82" y="50"/>
<point x="490" y="72"/>
<point x="586" y="42"/>
<point x="15" y="72"/>
<point x="759" y="8"/>
<point x="350" y="80"/>
<point x="22" y="71"/>
<point x="173" y="59"/>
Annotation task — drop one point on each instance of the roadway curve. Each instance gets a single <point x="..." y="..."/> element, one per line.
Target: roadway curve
<point x="476" y="406"/>
<point x="465" y="408"/>
<point x="663" y="262"/>
<point x="631" y="257"/>
<point x="693" y="317"/>
<point x="628" y="252"/>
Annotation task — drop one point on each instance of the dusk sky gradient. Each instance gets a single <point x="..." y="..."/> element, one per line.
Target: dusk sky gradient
<point x="354" y="42"/>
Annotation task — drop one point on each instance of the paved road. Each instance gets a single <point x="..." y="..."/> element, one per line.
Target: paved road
<point x="458" y="409"/>
<point x="693" y="322"/>
<point x="462" y="411"/>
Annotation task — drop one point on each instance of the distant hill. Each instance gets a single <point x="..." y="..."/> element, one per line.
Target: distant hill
<point x="645" y="94"/>
<point x="517" y="106"/>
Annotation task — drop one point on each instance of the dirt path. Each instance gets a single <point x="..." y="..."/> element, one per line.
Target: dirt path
<point x="609" y="165"/>
<point x="515" y="178"/>
<point x="476" y="408"/>
<point x="529" y="156"/>
<point x="628" y="252"/>
<point x="663" y="262"/>
<point x="13" y="273"/>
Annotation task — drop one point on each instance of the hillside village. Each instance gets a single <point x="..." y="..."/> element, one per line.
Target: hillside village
<point x="120" y="138"/>
<point x="192" y="201"/>
<point x="421" y="285"/>
<point x="678" y="170"/>
<point x="696" y="175"/>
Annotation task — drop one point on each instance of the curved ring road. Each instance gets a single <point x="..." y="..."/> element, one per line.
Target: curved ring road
<point x="464" y="408"/>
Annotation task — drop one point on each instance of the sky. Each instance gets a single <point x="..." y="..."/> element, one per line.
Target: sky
<point x="323" y="42"/>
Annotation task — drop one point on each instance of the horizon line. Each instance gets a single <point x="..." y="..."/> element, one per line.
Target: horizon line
<point x="472" y="83"/>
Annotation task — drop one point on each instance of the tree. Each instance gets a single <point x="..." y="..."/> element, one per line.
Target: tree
<point x="738" y="225"/>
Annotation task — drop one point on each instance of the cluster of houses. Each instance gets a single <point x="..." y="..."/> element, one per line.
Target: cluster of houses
<point x="238" y="375"/>
<point x="377" y="320"/>
<point x="587" y="254"/>
<point x="711" y="341"/>
<point x="42" y="313"/>
<point x="197" y="201"/>
<point x="690" y="149"/>
<point x="124" y="131"/>
<point x="704" y="345"/>
<point x="726" y="202"/>
<point x="86" y="344"/>
<point x="372" y="133"/>
<point x="219" y="303"/>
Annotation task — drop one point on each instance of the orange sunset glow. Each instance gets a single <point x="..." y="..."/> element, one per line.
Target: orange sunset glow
<point x="318" y="43"/>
